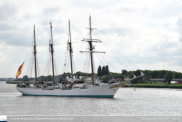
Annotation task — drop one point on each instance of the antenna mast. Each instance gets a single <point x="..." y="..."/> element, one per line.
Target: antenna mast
<point x="70" y="50"/>
<point x="51" y="50"/>
<point x="35" y="53"/>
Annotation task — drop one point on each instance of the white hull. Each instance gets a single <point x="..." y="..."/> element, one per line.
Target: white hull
<point x="96" y="91"/>
<point x="92" y="91"/>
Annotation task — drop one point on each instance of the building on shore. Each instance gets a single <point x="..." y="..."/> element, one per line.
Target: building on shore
<point x="161" y="80"/>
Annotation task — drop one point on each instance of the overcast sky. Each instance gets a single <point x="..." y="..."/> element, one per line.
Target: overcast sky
<point x="140" y="34"/>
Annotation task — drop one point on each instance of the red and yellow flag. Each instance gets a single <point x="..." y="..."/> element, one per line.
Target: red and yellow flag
<point x="19" y="70"/>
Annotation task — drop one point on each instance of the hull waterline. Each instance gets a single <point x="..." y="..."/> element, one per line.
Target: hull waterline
<point x="96" y="91"/>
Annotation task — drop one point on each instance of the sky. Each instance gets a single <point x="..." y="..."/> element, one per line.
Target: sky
<point x="140" y="34"/>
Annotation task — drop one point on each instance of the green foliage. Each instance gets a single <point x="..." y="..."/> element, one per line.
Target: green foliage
<point x="145" y="82"/>
<point x="177" y="75"/>
<point x="160" y="73"/>
<point x="122" y="77"/>
<point x="114" y="75"/>
<point x="129" y="73"/>
<point x="99" y="71"/>
<point x="148" y="74"/>
<point x="25" y="78"/>
<point x="107" y="70"/>
<point x="103" y="71"/>
<point x="78" y="74"/>
<point x="169" y="76"/>
<point x="124" y="72"/>
<point x="138" y="80"/>
<point x="105" y="79"/>
<point x="117" y="76"/>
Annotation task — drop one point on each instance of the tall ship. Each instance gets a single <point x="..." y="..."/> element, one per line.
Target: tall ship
<point x="70" y="88"/>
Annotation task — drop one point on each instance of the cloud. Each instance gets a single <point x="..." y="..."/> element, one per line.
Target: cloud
<point x="7" y="12"/>
<point x="125" y="8"/>
<point x="119" y="30"/>
<point x="179" y="23"/>
<point x="135" y="35"/>
<point x="1" y="57"/>
<point x="16" y="39"/>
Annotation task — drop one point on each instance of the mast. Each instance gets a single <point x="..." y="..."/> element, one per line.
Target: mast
<point x="70" y="50"/>
<point x="51" y="50"/>
<point x="35" y="54"/>
<point x="91" y="48"/>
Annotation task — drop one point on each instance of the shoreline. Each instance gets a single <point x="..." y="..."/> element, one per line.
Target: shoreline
<point x="179" y="86"/>
<point x="15" y="82"/>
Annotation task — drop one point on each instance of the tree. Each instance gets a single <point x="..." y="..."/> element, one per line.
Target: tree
<point x="124" y="72"/>
<point x="117" y="75"/>
<point x="107" y="70"/>
<point x="25" y="78"/>
<point x="169" y="76"/>
<point x="129" y="73"/>
<point x="64" y="75"/>
<point x="177" y="75"/>
<point x="99" y="71"/>
<point x="180" y="76"/>
<point x="103" y="70"/>
<point x="138" y="80"/>
<point x="78" y="74"/>
<point x="122" y="77"/>
<point x="105" y="79"/>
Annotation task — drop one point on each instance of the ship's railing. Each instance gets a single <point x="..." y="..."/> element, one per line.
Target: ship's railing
<point x="66" y="88"/>
<point x="52" y="88"/>
<point x="29" y="87"/>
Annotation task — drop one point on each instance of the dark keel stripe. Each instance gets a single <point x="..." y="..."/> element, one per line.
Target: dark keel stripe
<point x="102" y="96"/>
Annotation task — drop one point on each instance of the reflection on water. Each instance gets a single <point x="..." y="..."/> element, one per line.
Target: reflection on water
<point x="143" y="101"/>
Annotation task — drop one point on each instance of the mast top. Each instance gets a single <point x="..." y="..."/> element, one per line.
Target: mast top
<point x="51" y="24"/>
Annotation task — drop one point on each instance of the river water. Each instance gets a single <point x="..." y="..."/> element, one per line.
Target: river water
<point x="143" y="101"/>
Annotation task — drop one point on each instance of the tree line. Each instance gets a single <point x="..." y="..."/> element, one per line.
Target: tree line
<point x="105" y="75"/>
<point x="50" y="77"/>
<point x="167" y="75"/>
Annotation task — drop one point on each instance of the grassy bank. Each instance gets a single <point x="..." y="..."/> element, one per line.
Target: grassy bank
<point x="16" y="82"/>
<point x="155" y="85"/>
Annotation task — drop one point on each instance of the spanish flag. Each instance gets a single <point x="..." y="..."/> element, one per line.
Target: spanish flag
<point x="19" y="70"/>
